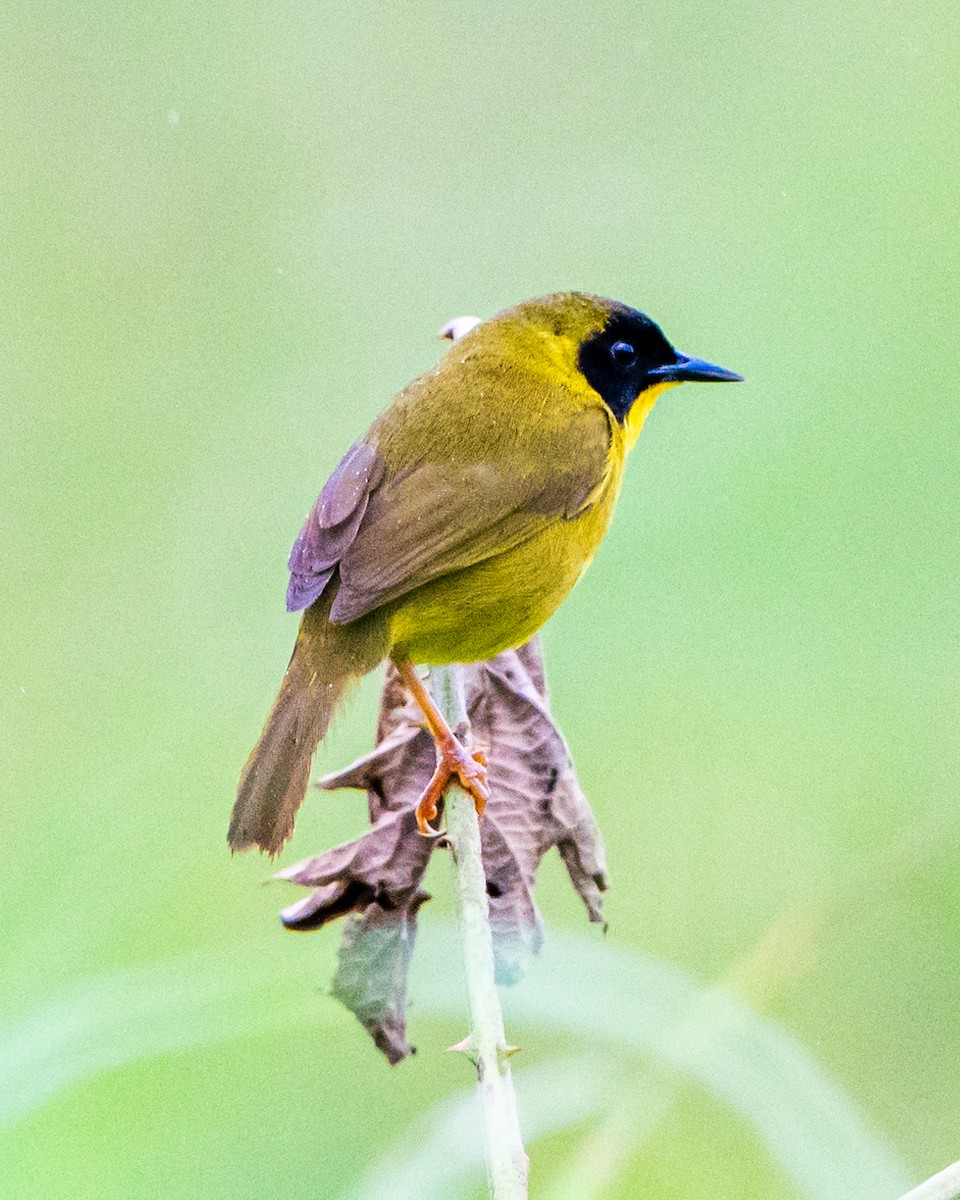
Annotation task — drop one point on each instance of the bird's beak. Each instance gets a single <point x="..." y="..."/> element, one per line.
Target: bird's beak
<point x="693" y="369"/>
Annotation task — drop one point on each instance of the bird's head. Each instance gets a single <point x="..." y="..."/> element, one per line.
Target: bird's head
<point x="613" y="351"/>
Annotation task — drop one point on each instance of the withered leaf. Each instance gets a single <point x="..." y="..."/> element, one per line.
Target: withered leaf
<point x="371" y="978"/>
<point x="535" y="803"/>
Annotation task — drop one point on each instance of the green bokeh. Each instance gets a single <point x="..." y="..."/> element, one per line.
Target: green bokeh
<point x="230" y="232"/>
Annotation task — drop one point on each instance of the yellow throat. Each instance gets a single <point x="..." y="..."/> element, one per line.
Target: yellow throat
<point x="638" y="413"/>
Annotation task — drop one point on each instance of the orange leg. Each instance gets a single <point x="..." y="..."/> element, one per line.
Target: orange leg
<point x="453" y="758"/>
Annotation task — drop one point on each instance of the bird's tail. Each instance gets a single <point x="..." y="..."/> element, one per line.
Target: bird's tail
<point x="326" y="659"/>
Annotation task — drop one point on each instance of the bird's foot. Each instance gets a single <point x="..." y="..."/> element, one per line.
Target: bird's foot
<point x="454" y="762"/>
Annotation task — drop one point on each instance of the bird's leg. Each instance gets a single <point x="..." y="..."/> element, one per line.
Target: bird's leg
<point x="453" y="758"/>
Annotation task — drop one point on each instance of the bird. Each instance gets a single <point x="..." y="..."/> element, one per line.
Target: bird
<point x="454" y="528"/>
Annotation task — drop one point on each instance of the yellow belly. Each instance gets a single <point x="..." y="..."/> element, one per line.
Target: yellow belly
<point x="499" y="603"/>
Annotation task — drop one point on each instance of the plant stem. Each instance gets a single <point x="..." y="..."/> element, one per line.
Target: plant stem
<point x="943" y="1186"/>
<point x="486" y="1044"/>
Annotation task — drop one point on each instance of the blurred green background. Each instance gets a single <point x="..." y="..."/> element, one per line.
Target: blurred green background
<point x="230" y="233"/>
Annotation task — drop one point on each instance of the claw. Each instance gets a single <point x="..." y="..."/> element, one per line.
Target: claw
<point x="470" y="771"/>
<point x="453" y="758"/>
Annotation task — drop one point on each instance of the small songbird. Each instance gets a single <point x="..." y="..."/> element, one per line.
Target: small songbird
<point x="457" y="524"/>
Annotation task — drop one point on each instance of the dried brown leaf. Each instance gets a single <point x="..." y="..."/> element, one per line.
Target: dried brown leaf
<point x="371" y="978"/>
<point x="535" y="803"/>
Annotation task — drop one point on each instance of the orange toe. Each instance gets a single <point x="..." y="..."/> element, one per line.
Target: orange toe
<point x="454" y="761"/>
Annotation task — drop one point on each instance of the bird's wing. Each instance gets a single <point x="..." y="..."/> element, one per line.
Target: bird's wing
<point x="332" y="524"/>
<point x="388" y="532"/>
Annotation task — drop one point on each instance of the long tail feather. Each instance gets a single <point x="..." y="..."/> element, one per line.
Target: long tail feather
<point x="326" y="660"/>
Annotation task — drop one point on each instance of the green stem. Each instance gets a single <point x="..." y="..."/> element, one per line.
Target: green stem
<point x="944" y="1186"/>
<point x="486" y="1044"/>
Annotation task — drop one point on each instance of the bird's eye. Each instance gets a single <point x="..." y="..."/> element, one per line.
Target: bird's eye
<point x="623" y="354"/>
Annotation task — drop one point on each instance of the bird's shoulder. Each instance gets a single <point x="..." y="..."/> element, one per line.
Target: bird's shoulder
<point x="511" y="412"/>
